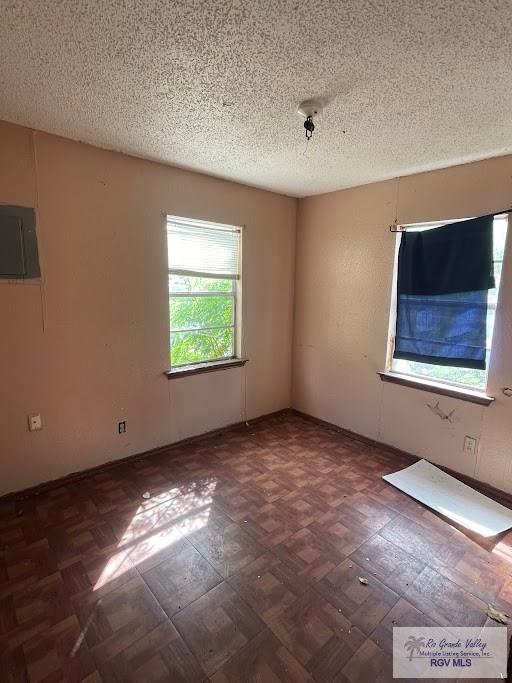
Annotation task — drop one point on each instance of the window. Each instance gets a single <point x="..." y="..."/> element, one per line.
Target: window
<point x="475" y="379"/>
<point x="204" y="307"/>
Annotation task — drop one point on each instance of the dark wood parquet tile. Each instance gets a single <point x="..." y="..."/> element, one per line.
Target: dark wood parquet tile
<point x="428" y="544"/>
<point x="475" y="573"/>
<point x="237" y="501"/>
<point x="226" y="546"/>
<point x="364" y="605"/>
<point x="161" y="655"/>
<point x="109" y="494"/>
<point x="69" y="543"/>
<point x="13" y="665"/>
<point x="303" y="508"/>
<point x="98" y="574"/>
<point x="22" y="567"/>
<point x="369" y="663"/>
<point x="58" y="507"/>
<point x="8" y="621"/>
<point x="388" y="563"/>
<point x="309" y="554"/>
<point x="444" y="601"/>
<point x="332" y="492"/>
<point x="37" y="608"/>
<point x="274" y="485"/>
<point x="361" y="510"/>
<point x="217" y="626"/>
<point x="391" y="497"/>
<point x="505" y="595"/>
<point x="116" y="621"/>
<point x="374" y="659"/>
<point x="245" y="471"/>
<point x="263" y="660"/>
<point x="320" y="636"/>
<point x="181" y="578"/>
<point x="270" y="524"/>
<point x="268" y="585"/>
<point x="235" y="557"/>
<point x="340" y="530"/>
<point x="402" y="614"/>
<point x="12" y="536"/>
<point x="59" y="654"/>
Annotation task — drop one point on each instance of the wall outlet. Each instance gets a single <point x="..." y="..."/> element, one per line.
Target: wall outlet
<point x="35" y="423"/>
<point x="470" y="445"/>
<point x="121" y="427"/>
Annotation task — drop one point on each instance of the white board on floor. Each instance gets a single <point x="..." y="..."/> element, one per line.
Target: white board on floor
<point x="453" y="499"/>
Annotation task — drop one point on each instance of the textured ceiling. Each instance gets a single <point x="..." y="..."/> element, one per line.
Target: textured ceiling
<point x="214" y="85"/>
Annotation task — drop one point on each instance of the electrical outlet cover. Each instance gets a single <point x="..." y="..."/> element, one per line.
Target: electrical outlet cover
<point x="470" y="445"/>
<point x="34" y="422"/>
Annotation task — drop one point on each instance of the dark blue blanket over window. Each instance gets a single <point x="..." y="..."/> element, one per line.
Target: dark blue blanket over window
<point x="444" y="275"/>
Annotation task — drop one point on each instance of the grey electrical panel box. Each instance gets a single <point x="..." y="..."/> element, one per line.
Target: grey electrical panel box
<point x="18" y="243"/>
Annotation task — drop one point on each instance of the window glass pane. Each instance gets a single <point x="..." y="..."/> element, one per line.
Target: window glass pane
<point x="493" y="293"/>
<point x="194" y="312"/>
<point x="491" y="315"/>
<point x="442" y="373"/>
<point x="475" y="379"/>
<point x="201" y="345"/>
<point x="499" y="235"/>
<point x="185" y="283"/>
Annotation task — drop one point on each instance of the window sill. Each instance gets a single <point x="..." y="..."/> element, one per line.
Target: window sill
<point x="200" y="368"/>
<point x="437" y="388"/>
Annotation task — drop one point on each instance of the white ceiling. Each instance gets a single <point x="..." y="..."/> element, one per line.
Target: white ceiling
<point x="214" y="85"/>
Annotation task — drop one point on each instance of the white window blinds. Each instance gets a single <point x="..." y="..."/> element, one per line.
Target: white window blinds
<point x="203" y="249"/>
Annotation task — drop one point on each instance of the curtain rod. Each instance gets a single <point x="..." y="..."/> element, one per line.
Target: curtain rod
<point x="394" y="227"/>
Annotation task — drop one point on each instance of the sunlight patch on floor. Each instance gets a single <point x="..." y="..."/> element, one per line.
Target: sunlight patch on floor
<point x="155" y="527"/>
<point x="503" y="550"/>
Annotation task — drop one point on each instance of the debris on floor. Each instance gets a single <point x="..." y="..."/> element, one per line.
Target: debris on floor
<point x="453" y="499"/>
<point x="495" y="614"/>
<point x="363" y="580"/>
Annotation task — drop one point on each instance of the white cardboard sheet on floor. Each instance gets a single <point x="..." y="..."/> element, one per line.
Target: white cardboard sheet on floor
<point x="452" y="498"/>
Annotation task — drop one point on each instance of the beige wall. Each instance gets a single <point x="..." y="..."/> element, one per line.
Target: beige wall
<point x="344" y="273"/>
<point x="87" y="346"/>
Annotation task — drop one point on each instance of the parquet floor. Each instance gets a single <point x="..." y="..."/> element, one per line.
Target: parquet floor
<point x="242" y="565"/>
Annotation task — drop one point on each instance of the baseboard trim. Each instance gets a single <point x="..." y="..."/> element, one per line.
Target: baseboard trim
<point x="38" y="489"/>
<point x="496" y="494"/>
<point x="487" y="489"/>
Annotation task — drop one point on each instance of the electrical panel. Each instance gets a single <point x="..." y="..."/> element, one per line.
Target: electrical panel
<point x="19" y="257"/>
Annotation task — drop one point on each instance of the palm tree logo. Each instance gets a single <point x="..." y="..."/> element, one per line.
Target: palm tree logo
<point x="413" y="644"/>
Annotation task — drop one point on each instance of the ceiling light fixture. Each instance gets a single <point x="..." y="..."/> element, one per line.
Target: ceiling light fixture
<point x="308" y="109"/>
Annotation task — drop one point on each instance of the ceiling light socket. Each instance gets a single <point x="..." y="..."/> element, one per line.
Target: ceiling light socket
<point x="310" y="108"/>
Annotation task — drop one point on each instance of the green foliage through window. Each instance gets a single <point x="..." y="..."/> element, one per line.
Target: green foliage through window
<point x="202" y="315"/>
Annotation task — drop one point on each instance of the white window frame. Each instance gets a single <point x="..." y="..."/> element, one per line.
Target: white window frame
<point x="416" y="227"/>
<point x="235" y="293"/>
